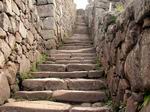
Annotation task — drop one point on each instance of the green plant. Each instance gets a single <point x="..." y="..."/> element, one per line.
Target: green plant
<point x="146" y="100"/>
<point x="42" y="58"/>
<point x="119" y="8"/>
<point x="98" y="64"/>
<point x="26" y="75"/>
<point x="34" y="67"/>
<point x="113" y="19"/>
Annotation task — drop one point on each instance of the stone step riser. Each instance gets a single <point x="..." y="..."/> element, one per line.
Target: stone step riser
<point x="78" y="97"/>
<point x="80" y="58"/>
<point x="73" y="54"/>
<point x="74" y="47"/>
<point x="35" y="106"/>
<point x="64" y="68"/>
<point x="70" y="62"/>
<point x="77" y="74"/>
<point x="88" y="50"/>
<point x="63" y="84"/>
<point x="63" y="95"/>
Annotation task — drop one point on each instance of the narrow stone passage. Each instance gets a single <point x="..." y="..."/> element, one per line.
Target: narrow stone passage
<point x="68" y="81"/>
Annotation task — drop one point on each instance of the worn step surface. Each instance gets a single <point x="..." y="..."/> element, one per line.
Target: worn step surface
<point x="75" y="74"/>
<point x="35" y="106"/>
<point x="63" y="84"/>
<point x="79" y="96"/>
<point x="66" y="67"/>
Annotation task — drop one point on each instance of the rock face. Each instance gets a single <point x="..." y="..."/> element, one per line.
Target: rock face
<point x="122" y="44"/>
<point x="27" y="29"/>
<point x="4" y="87"/>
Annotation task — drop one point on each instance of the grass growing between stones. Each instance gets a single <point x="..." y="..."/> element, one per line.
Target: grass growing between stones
<point x="146" y="101"/>
<point x="27" y="75"/>
<point x="98" y="64"/>
<point x="119" y="8"/>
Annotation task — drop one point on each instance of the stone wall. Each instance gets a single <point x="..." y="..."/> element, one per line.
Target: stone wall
<point x="57" y="18"/>
<point x="27" y="29"/>
<point x="122" y="44"/>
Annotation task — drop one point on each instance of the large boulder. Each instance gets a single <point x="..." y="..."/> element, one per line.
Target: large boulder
<point x="4" y="88"/>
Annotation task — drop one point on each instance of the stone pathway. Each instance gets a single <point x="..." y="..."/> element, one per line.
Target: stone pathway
<point x="67" y="82"/>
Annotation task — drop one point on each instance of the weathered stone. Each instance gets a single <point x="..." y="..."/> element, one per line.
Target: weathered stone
<point x="79" y="96"/>
<point x="131" y="105"/>
<point x="5" y="22"/>
<point x="12" y="41"/>
<point x="2" y="60"/>
<point x="47" y="34"/>
<point x="34" y="95"/>
<point x="77" y="74"/>
<point x="44" y="2"/>
<point x="49" y="23"/>
<point x="46" y="10"/>
<point x="1" y="6"/>
<point x="90" y="109"/>
<point x="35" y="106"/>
<point x="22" y="30"/>
<point x="87" y="84"/>
<point x="30" y="37"/>
<point x="13" y="25"/>
<point x="18" y="37"/>
<point x="15" y="8"/>
<point x="146" y="23"/>
<point x="44" y="84"/>
<point x="4" y="88"/>
<point x="8" y="6"/>
<point x="144" y="62"/>
<point x="24" y="64"/>
<point x="50" y="44"/>
<point x="11" y="72"/>
<point x="2" y="33"/>
<point x="5" y="49"/>
<point x="80" y="67"/>
<point x="52" y="67"/>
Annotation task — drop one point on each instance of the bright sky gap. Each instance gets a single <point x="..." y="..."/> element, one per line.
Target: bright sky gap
<point x="81" y="4"/>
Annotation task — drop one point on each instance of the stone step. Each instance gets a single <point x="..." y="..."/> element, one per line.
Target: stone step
<point x="35" y="106"/>
<point x="81" y="29"/>
<point x="73" y="55"/>
<point x="87" y="50"/>
<point x="75" y="74"/>
<point x="74" y="47"/>
<point x="78" y="41"/>
<point x="52" y="67"/>
<point x="79" y="96"/>
<point x="90" y="109"/>
<point x="65" y="57"/>
<point x="81" y="67"/>
<point x="71" y="62"/>
<point x="34" y="95"/>
<point x="63" y="84"/>
<point x="67" y="67"/>
<point x="82" y="24"/>
<point x="77" y="44"/>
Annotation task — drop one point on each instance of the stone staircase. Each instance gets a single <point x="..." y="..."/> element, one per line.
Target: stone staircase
<point x="68" y="81"/>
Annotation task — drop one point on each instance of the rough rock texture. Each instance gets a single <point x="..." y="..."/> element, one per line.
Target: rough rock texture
<point x="57" y="18"/>
<point x="27" y="29"/>
<point x="122" y="44"/>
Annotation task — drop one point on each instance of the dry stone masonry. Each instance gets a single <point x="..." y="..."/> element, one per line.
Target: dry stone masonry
<point x="122" y="43"/>
<point x="27" y="29"/>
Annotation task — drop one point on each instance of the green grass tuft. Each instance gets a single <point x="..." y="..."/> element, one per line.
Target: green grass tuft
<point x="119" y="8"/>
